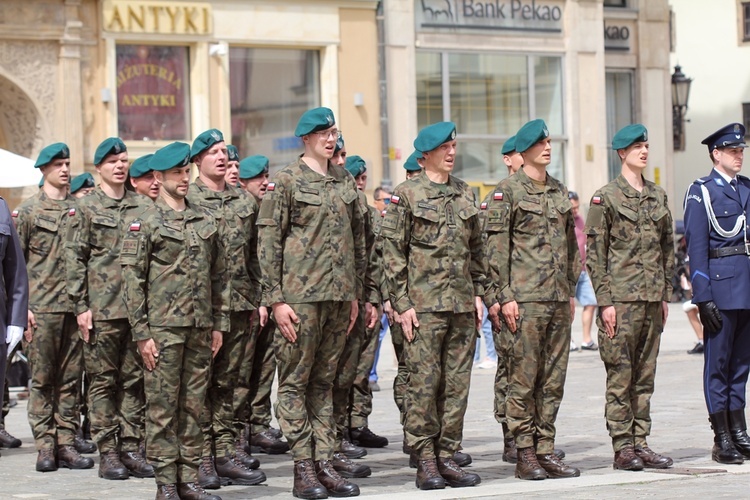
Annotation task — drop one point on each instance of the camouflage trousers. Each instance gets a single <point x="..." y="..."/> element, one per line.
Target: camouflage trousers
<point x="307" y="367"/>
<point x="438" y="361"/>
<point x="346" y="371"/>
<point x="538" y="363"/>
<point x="55" y="356"/>
<point x="501" y="339"/>
<point x="218" y="421"/>
<point x="252" y="396"/>
<point x="175" y="396"/>
<point x="402" y="375"/>
<point x="115" y="386"/>
<point x="361" y="394"/>
<point x="630" y="361"/>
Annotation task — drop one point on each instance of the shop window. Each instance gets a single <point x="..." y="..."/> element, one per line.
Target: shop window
<point x="746" y="21"/>
<point x="270" y="89"/>
<point x="489" y="97"/>
<point x="746" y="118"/>
<point x="152" y="93"/>
<point x="620" y="112"/>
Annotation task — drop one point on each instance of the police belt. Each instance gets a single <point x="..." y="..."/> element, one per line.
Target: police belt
<point x="715" y="253"/>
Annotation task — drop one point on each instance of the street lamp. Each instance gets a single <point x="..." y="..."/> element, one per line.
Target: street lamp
<point x="680" y="94"/>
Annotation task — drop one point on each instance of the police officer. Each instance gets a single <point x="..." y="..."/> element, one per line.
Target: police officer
<point x="630" y="258"/>
<point x="142" y="179"/>
<point x="534" y="266"/>
<point x="94" y="283"/>
<point x="312" y="258"/>
<point x="716" y="231"/>
<point x="177" y="294"/>
<point x="434" y="264"/>
<point x="51" y="340"/>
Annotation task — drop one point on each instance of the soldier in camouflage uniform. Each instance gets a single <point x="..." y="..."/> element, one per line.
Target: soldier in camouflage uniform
<point x="237" y="212"/>
<point x="534" y="266"/>
<point x="630" y="258"/>
<point x="434" y="263"/>
<point x="312" y="256"/>
<point x="51" y="341"/>
<point x="178" y="294"/>
<point x="141" y="178"/>
<point x="94" y="283"/>
<point x="252" y="396"/>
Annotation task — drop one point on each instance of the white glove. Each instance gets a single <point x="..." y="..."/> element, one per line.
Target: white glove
<point x="13" y="335"/>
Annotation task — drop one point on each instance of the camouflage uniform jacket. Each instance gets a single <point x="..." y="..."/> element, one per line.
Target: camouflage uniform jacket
<point x="432" y="247"/>
<point x="92" y="252"/>
<point x="42" y="225"/>
<point x="174" y="271"/>
<point x="531" y="244"/>
<point x="373" y="273"/>
<point x="236" y="211"/>
<point x="378" y="256"/>
<point x="311" y="240"/>
<point x="630" y="247"/>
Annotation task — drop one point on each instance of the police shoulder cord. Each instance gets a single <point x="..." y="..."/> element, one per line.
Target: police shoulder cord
<point x="738" y="226"/>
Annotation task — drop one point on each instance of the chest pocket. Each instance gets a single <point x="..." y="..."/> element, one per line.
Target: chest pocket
<point x="529" y="220"/>
<point x="726" y="214"/>
<point x="104" y="232"/>
<point x="306" y="206"/>
<point x="425" y="224"/>
<point x="45" y="232"/>
<point x="4" y="239"/>
<point x="625" y="224"/>
<point x="496" y="218"/>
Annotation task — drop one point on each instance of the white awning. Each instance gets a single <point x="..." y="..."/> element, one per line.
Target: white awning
<point x="17" y="171"/>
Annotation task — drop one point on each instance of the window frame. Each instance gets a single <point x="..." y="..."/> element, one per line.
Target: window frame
<point x="745" y="21"/>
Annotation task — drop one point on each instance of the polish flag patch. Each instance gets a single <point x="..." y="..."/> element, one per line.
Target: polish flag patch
<point x="271" y="186"/>
<point x="382" y="213"/>
<point x="483" y="206"/>
<point x="14" y="213"/>
<point x="596" y="200"/>
<point x="135" y="226"/>
<point x="71" y="212"/>
<point x="498" y="196"/>
<point x="395" y="199"/>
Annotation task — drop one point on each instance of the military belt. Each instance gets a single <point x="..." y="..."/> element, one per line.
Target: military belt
<point x="715" y="253"/>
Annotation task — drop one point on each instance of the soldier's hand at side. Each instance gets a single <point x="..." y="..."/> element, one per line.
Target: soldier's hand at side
<point x="371" y="313"/>
<point x="494" y="314"/>
<point x="479" y="308"/>
<point x="286" y="321"/>
<point x="353" y="313"/>
<point x="389" y="312"/>
<point x="408" y="322"/>
<point x="609" y="318"/>
<point x="664" y="312"/>
<point x="710" y="316"/>
<point x="572" y="309"/>
<point x="85" y="324"/>
<point x="30" y="327"/>
<point x="149" y="353"/>
<point x="217" y="340"/>
<point x="262" y="315"/>
<point x="510" y="314"/>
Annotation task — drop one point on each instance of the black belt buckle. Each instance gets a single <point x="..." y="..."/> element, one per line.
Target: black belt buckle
<point x="747" y="248"/>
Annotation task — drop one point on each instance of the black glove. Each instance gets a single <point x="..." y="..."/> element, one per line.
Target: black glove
<point x="710" y="316"/>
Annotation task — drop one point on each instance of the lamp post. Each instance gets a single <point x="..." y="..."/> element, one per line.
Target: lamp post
<point x="680" y="94"/>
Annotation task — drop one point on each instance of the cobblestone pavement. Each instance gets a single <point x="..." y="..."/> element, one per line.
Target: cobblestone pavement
<point x="680" y="430"/>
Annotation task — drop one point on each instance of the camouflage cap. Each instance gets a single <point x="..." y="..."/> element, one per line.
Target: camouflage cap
<point x="109" y="146"/>
<point x="204" y="141"/>
<point x="531" y="133"/>
<point x="85" y="180"/>
<point x="628" y="135"/>
<point x="140" y="167"/>
<point x="56" y="151"/>
<point x="232" y="153"/>
<point x="411" y="164"/>
<point x="314" y="120"/>
<point x="355" y="165"/>
<point x="253" y="166"/>
<point x="339" y="144"/>
<point x="509" y="146"/>
<point x="434" y="135"/>
<point x="172" y="155"/>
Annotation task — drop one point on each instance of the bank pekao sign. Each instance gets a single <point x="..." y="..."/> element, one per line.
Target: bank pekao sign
<point x="540" y="16"/>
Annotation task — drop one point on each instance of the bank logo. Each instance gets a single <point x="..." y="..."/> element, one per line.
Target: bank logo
<point x="509" y="15"/>
<point x="437" y="9"/>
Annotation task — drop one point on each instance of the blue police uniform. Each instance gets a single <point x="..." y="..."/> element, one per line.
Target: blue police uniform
<point x="717" y="242"/>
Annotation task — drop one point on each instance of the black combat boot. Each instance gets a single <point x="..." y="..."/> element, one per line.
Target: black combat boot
<point x="738" y="431"/>
<point x="83" y="446"/>
<point x="363" y="436"/>
<point x="724" y="450"/>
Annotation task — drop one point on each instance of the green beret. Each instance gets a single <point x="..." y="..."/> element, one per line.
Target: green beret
<point x="172" y="155"/>
<point x="434" y="135"/>
<point x="56" y="151"/>
<point x="628" y="135"/>
<point x="110" y="146"/>
<point x="205" y="141"/>
<point x="411" y="164"/>
<point x="85" y="180"/>
<point x="253" y="166"/>
<point x="531" y="133"/>
<point x="355" y="165"/>
<point x="339" y="144"/>
<point x="314" y="120"/>
<point x="232" y="153"/>
<point x="509" y="146"/>
<point x="140" y="167"/>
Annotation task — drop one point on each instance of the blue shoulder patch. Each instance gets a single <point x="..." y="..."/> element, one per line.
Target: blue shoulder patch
<point x="719" y="181"/>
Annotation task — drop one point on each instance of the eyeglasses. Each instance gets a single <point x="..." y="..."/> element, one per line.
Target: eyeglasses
<point x="335" y="133"/>
<point x="572" y="195"/>
<point x="386" y="200"/>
